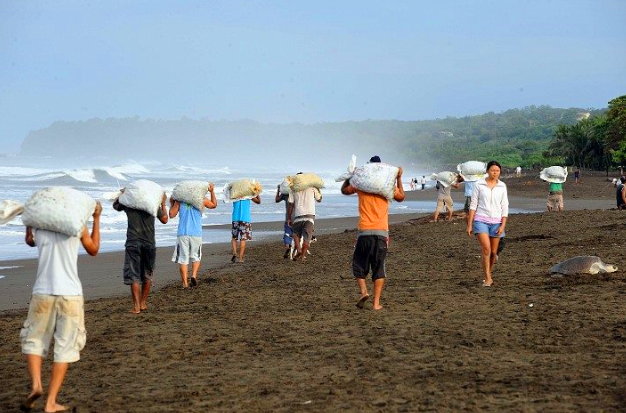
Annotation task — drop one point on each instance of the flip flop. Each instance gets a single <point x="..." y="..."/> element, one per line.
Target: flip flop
<point x="361" y="303"/>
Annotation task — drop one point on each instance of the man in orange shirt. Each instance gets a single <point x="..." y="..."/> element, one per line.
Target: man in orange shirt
<point x="370" y="251"/>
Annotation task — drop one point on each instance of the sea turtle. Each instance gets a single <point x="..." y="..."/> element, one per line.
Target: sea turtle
<point x="586" y="264"/>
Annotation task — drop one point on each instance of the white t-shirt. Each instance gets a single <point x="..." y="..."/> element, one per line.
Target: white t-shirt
<point x="57" y="273"/>
<point x="304" y="202"/>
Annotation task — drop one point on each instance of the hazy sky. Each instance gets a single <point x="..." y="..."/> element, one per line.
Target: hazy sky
<point x="305" y="61"/>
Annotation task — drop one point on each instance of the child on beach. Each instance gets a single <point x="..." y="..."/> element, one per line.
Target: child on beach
<point x="189" y="237"/>
<point x="489" y="211"/>
<point x="56" y="308"/>
<point x="370" y="251"/>
<point x="140" y="258"/>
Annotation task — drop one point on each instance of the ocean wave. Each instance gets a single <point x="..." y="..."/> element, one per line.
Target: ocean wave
<point x="19" y="171"/>
<point x="195" y="170"/>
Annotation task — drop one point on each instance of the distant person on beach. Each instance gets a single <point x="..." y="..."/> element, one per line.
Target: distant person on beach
<point x="489" y="211"/>
<point x="518" y="171"/>
<point x="56" y="308"/>
<point x="620" y="193"/>
<point x="423" y="182"/>
<point x="577" y="176"/>
<point x="444" y="199"/>
<point x="555" y="196"/>
<point x="412" y="184"/>
<point x="140" y="258"/>
<point x="287" y="231"/>
<point x="370" y="251"/>
<point x="189" y="237"/>
<point x="241" y="229"/>
<point x="468" y="190"/>
<point x="301" y="218"/>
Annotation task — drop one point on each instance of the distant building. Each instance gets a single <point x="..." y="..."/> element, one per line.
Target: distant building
<point x="445" y="133"/>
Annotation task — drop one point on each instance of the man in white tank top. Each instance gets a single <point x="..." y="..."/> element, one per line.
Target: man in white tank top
<point x="56" y="308"/>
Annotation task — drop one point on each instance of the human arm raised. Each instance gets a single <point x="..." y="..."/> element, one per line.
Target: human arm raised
<point x="91" y="242"/>
<point x="162" y="211"/>
<point x="212" y="203"/>
<point x="399" y="194"/>
<point x="256" y="199"/>
<point x="347" y="189"/>
<point x="30" y="237"/>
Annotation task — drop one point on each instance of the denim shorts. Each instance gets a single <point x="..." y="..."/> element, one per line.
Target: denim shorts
<point x="484" y="228"/>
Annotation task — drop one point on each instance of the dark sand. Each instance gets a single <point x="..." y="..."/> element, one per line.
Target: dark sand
<point x="272" y="335"/>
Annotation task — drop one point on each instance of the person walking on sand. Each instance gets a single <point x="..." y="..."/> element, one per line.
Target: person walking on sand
<point x="518" y="171"/>
<point x="577" y="176"/>
<point x="620" y="193"/>
<point x="444" y="199"/>
<point x="189" y="237"/>
<point x="241" y="228"/>
<point x="301" y="218"/>
<point x="423" y="182"/>
<point x="489" y="211"/>
<point x="555" y="197"/>
<point x="469" y="188"/>
<point x="140" y="257"/>
<point x="287" y="231"/>
<point x="370" y="251"/>
<point x="56" y="308"/>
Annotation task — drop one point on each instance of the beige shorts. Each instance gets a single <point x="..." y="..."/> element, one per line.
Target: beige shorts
<point x="58" y="316"/>
<point x="555" y="200"/>
<point x="444" y="201"/>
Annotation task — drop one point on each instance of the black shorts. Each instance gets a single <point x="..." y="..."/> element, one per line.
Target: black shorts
<point x="370" y="253"/>
<point x="304" y="230"/>
<point x="139" y="263"/>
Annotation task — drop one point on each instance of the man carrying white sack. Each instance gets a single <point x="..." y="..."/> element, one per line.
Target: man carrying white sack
<point x="370" y="251"/>
<point x="301" y="218"/>
<point x="189" y="236"/>
<point x="241" y="228"/>
<point x="140" y="257"/>
<point x="56" y="308"/>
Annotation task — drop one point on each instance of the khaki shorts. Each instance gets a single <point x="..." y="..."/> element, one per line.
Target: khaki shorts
<point x="58" y="316"/>
<point x="187" y="248"/>
<point x="444" y="201"/>
<point x="555" y="200"/>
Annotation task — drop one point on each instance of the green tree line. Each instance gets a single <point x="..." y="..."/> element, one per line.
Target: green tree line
<point x="598" y="142"/>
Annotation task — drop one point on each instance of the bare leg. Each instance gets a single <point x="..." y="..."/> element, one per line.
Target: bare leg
<point x="58" y="375"/>
<point x="436" y="217"/>
<point x="242" y="249"/>
<point x="296" y="240"/>
<point x="184" y="270"/>
<point x="233" y="246"/>
<point x="494" y="253"/>
<point x="195" y="266"/>
<point x="485" y="245"/>
<point x="378" y="289"/>
<point x="34" y="369"/>
<point x="449" y="218"/>
<point x="145" y="292"/>
<point x="363" y="291"/>
<point x="305" y="248"/>
<point x="134" y="290"/>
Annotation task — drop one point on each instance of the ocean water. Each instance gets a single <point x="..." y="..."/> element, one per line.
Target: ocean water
<point x="20" y="178"/>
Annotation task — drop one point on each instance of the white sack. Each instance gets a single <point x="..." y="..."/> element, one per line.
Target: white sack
<point x="445" y="178"/>
<point x="285" y="186"/>
<point x="555" y="174"/>
<point x="472" y="170"/>
<point x="9" y="209"/>
<point x="143" y="195"/>
<point x="304" y="181"/>
<point x="191" y="192"/>
<point x="374" y="178"/>
<point x="242" y="189"/>
<point x="59" y="209"/>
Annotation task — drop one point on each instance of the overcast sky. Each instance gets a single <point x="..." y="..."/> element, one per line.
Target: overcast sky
<point x="302" y="61"/>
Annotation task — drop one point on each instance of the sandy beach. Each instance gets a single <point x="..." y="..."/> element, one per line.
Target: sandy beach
<point x="273" y="335"/>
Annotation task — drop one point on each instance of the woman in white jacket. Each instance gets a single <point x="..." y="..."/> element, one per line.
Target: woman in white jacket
<point x="489" y="210"/>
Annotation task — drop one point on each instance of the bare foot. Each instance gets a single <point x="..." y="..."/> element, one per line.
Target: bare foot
<point x="56" y="407"/>
<point x="487" y="284"/>
<point x="144" y="307"/>
<point x="362" y="301"/>
<point x="378" y="307"/>
<point x="135" y="311"/>
<point x="29" y="403"/>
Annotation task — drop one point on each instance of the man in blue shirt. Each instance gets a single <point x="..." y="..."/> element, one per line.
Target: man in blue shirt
<point x="241" y="226"/>
<point x="189" y="237"/>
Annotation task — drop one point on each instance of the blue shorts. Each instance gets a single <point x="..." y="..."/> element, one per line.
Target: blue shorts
<point x="484" y="228"/>
<point x="287" y="235"/>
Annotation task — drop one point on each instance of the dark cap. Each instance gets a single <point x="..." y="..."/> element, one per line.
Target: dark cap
<point x="375" y="158"/>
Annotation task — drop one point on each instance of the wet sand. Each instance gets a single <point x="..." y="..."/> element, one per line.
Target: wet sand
<point x="273" y="335"/>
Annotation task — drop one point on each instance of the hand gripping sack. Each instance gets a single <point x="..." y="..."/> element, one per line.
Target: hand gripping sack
<point x="555" y="174"/>
<point x="191" y="192"/>
<point x="374" y="178"/>
<point x="285" y="186"/>
<point x="59" y="209"/>
<point x="445" y="178"/>
<point x="242" y="189"/>
<point x="472" y="170"/>
<point x="143" y="195"/>
<point x="304" y="181"/>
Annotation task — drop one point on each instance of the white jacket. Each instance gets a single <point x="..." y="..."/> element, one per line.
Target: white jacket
<point x="492" y="203"/>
